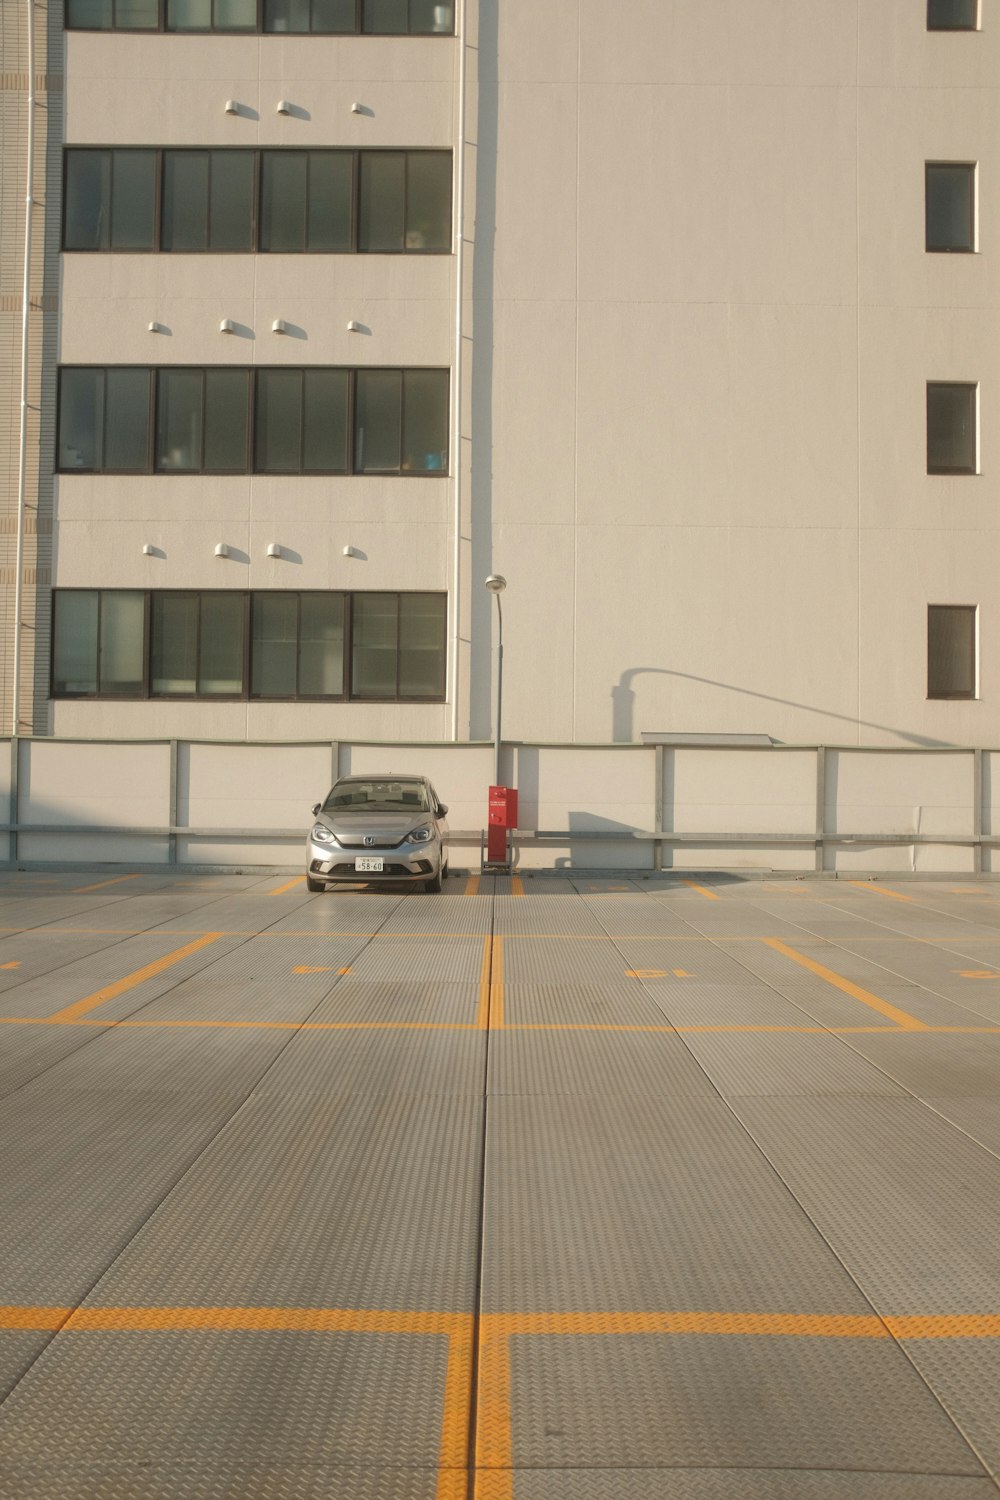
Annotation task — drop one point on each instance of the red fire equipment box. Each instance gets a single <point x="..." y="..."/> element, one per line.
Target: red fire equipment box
<point x="503" y="806"/>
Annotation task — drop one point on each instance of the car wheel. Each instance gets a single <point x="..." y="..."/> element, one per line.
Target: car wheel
<point x="433" y="886"/>
<point x="314" y="885"/>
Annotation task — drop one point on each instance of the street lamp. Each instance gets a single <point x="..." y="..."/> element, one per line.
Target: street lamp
<point x="496" y="585"/>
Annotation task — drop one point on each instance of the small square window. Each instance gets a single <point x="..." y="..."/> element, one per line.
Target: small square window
<point x="950" y="206"/>
<point x="952" y="437"/>
<point x="952" y="15"/>
<point x="951" y="650"/>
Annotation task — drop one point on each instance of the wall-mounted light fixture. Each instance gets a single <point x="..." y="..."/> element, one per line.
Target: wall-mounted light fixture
<point x="279" y="326"/>
<point x="354" y="326"/>
<point x="221" y="549"/>
<point x="227" y="326"/>
<point x="155" y="327"/>
<point x="356" y="108"/>
<point x="351" y="552"/>
<point x="232" y="108"/>
<point x="273" y="549"/>
<point x="284" y="108"/>
<point x="148" y="549"/>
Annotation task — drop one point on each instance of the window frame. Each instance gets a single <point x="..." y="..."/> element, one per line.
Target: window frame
<point x="972" y="169"/>
<point x="972" y="610"/>
<point x="355" y="155"/>
<point x="259" y="29"/>
<point x="247" y="596"/>
<point x="972" y="386"/>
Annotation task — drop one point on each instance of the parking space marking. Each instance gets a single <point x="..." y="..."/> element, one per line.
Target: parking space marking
<point x="490" y="1014"/>
<point x="82" y="890"/>
<point x="14" y="964"/>
<point x="702" y="890"/>
<point x="471" y="886"/>
<point x="878" y="890"/>
<point x="112" y="991"/>
<point x="291" y="885"/>
<point x="978" y="973"/>
<point x="892" y="1012"/>
<point x="516" y="885"/>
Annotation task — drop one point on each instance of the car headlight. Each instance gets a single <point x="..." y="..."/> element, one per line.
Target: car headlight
<point x="321" y="834"/>
<point x="419" y="836"/>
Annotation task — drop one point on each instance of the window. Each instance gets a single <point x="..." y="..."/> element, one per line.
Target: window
<point x="952" y="15"/>
<point x="97" y="643"/>
<point x="397" y="646"/>
<point x="202" y="421"/>
<point x="301" y="422"/>
<point x="320" y="17"/>
<point x="113" y="15"/>
<point x="298" y="645"/>
<point x="952" y="437"/>
<point x="178" y="420"/>
<point x="401" y="422"/>
<point x="104" y="420"/>
<point x="293" y="202"/>
<point x="207" y="200"/>
<point x="230" y="644"/>
<point x="951" y="651"/>
<point x="307" y="201"/>
<point x="110" y="200"/>
<point x="950" y="206"/>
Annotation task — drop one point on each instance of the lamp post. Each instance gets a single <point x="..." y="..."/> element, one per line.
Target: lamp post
<point x="496" y="585"/>
<point x="503" y="801"/>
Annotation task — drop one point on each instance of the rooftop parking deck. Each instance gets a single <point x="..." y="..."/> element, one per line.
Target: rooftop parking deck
<point x="542" y="1188"/>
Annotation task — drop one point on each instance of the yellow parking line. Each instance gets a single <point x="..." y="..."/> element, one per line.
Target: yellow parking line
<point x="877" y="890"/>
<point x="483" y="1014"/>
<point x="281" y="889"/>
<point x="516" y="885"/>
<point x="111" y="991"/>
<point x="472" y="886"/>
<point x="907" y="1022"/>
<point x="83" y="889"/>
<point x="702" y="890"/>
<point x="496" y="986"/>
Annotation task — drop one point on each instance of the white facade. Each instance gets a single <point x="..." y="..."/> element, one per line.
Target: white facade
<point x="698" y="325"/>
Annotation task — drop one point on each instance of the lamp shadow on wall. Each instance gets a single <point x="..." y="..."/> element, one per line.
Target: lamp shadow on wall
<point x="623" y="707"/>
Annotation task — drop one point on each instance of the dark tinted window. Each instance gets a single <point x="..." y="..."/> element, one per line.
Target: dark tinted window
<point x="952" y="15"/>
<point x="951" y="651"/>
<point x="110" y="200"/>
<point x="950" y="196"/>
<point x="218" y="420"/>
<point x="951" y="429"/>
<point x="298" y="644"/>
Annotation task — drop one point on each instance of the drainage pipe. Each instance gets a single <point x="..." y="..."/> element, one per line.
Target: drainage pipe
<point x="457" y="370"/>
<point x="22" y="470"/>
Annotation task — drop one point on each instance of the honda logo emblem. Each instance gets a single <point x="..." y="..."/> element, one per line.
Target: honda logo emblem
<point x="369" y="841"/>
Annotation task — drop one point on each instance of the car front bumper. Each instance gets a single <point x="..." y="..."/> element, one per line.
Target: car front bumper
<point x="404" y="863"/>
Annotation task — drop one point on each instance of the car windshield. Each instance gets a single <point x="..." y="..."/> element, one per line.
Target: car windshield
<point x="378" y="796"/>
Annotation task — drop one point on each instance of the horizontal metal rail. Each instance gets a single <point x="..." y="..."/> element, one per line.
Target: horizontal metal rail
<point x="524" y="836"/>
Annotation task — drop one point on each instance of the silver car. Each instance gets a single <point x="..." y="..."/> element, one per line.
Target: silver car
<point x="388" y="828"/>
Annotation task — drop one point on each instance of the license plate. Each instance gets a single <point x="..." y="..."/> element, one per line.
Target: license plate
<point x="368" y="866"/>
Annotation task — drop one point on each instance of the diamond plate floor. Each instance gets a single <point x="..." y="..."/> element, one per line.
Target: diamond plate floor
<point x="675" y="1188"/>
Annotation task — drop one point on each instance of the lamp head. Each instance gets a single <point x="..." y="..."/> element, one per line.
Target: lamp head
<point x="496" y="583"/>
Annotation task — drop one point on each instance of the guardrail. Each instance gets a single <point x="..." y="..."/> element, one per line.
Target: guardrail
<point x="679" y="801"/>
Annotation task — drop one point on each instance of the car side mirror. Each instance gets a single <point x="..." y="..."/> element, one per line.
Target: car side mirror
<point x="317" y="808"/>
<point x="442" y="810"/>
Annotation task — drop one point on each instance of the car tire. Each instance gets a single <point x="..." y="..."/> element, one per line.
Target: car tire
<point x="314" y="885"/>
<point x="433" y="886"/>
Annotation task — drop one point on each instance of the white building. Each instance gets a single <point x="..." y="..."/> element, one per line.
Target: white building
<point x="719" y="398"/>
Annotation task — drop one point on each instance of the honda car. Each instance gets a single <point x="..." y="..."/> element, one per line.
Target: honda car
<point x="378" y="828"/>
